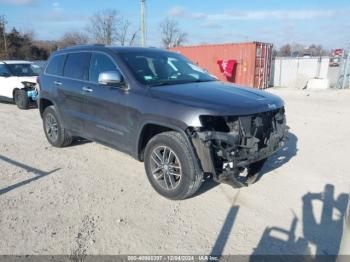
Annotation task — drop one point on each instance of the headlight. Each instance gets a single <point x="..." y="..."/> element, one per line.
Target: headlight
<point x="214" y="123"/>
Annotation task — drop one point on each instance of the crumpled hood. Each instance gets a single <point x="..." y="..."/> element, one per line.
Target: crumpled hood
<point x="16" y="81"/>
<point x="222" y="98"/>
<point x="26" y="79"/>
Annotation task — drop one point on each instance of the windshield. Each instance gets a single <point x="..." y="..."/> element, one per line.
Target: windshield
<point x="38" y="67"/>
<point x="22" y="70"/>
<point x="163" y="68"/>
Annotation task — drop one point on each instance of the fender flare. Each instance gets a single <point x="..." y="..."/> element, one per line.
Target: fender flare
<point x="194" y="155"/>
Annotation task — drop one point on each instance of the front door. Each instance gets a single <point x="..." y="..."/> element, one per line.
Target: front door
<point x="106" y="106"/>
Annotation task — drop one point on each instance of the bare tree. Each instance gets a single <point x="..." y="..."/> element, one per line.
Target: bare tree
<point x="300" y="50"/>
<point x="125" y="35"/>
<point x="103" y="25"/>
<point x="317" y="50"/>
<point x="285" y="50"/>
<point x="73" y="38"/>
<point x="172" y="35"/>
<point x="3" y="23"/>
<point x="108" y="27"/>
<point x="30" y="33"/>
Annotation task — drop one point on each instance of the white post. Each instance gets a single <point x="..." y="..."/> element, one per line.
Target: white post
<point x="346" y="68"/>
<point x="143" y="27"/>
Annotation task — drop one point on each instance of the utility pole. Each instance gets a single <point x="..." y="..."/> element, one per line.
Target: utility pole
<point x="345" y="73"/>
<point x="143" y="26"/>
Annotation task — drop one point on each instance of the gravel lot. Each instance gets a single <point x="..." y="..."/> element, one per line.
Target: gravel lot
<point x="89" y="199"/>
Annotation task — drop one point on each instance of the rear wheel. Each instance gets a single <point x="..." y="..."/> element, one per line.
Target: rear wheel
<point x="169" y="166"/>
<point x="21" y="99"/>
<point x="53" y="128"/>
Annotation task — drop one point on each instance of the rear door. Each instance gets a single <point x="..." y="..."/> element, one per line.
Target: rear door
<point x="106" y="106"/>
<point x="71" y="90"/>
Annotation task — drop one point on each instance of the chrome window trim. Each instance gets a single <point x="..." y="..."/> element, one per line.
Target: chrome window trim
<point x="85" y="81"/>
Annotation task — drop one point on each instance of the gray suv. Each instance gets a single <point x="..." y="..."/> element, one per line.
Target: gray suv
<point x="160" y="108"/>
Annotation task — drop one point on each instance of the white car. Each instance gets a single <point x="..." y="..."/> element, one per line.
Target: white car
<point x="18" y="82"/>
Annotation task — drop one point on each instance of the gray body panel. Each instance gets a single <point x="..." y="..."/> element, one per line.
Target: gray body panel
<point x="116" y="116"/>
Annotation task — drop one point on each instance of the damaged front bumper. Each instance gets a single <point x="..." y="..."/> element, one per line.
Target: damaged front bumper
<point x="228" y="146"/>
<point x="31" y="89"/>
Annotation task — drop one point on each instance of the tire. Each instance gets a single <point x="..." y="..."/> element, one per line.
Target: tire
<point x="55" y="134"/>
<point x="174" y="187"/>
<point x="21" y="99"/>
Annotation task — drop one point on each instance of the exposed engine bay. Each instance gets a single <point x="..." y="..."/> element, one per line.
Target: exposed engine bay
<point x="227" y="146"/>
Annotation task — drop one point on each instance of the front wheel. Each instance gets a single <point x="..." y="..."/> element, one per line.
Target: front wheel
<point x="169" y="166"/>
<point x="53" y="128"/>
<point x="21" y="99"/>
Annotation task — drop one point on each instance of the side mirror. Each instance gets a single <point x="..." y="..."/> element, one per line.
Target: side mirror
<point x="112" y="78"/>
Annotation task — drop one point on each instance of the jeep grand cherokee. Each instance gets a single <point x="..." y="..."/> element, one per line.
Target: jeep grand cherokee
<point x="162" y="109"/>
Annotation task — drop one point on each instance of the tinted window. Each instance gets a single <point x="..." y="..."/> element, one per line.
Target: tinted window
<point x="22" y="69"/>
<point x="4" y="71"/>
<point x="100" y="63"/>
<point x="77" y="66"/>
<point x="161" y="68"/>
<point x="56" y="64"/>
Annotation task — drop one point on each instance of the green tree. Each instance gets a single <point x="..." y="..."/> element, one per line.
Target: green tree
<point x="20" y="46"/>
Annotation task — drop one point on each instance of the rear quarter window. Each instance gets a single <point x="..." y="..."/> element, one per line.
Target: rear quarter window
<point x="77" y="66"/>
<point x="55" y="66"/>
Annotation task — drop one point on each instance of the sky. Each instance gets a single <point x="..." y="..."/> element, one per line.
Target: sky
<point x="325" y="22"/>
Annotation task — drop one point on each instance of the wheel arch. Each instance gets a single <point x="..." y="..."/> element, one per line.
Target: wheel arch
<point x="43" y="104"/>
<point x="143" y="140"/>
<point x="149" y="130"/>
<point x="152" y="128"/>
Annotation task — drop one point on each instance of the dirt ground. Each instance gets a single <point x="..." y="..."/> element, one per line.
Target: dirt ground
<point x="89" y="199"/>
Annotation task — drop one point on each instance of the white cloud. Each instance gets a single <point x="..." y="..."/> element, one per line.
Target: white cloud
<point x="57" y="7"/>
<point x="18" y="2"/>
<point x="278" y="14"/>
<point x="182" y="12"/>
<point x="211" y="25"/>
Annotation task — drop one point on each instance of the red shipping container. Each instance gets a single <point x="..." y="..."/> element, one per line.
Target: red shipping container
<point x="251" y="61"/>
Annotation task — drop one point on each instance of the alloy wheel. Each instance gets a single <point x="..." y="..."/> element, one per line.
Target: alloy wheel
<point x="51" y="127"/>
<point x="166" y="167"/>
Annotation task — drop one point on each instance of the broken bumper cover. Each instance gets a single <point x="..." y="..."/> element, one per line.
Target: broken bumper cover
<point x="32" y="90"/>
<point x="226" y="153"/>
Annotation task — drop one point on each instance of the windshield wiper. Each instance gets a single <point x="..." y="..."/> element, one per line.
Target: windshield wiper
<point x="162" y="84"/>
<point x="202" y="81"/>
<point x="180" y="82"/>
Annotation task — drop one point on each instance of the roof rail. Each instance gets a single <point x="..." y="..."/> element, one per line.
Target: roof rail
<point x="80" y="46"/>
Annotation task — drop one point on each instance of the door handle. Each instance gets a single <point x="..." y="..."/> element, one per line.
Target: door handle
<point x="87" y="89"/>
<point x="57" y="83"/>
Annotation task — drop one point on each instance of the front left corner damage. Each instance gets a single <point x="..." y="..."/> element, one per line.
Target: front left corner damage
<point x="228" y="152"/>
